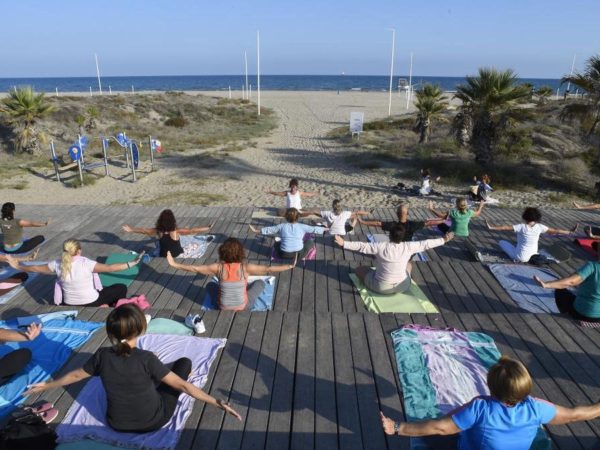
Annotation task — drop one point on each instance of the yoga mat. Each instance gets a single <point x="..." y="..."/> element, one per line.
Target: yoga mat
<point x="51" y="349"/>
<point x="517" y="281"/>
<point x="413" y="301"/>
<point x="8" y="272"/>
<point x="86" y="419"/>
<point x="586" y="244"/>
<point x="263" y="303"/>
<point x="2" y="252"/>
<point x="126" y="276"/>
<point x="374" y="238"/>
<point x="194" y="245"/>
<point x="442" y="369"/>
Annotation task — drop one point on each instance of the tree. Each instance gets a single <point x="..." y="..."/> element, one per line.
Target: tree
<point x="543" y="93"/>
<point x="587" y="110"/>
<point x="492" y="100"/>
<point x="24" y="108"/>
<point x="430" y="106"/>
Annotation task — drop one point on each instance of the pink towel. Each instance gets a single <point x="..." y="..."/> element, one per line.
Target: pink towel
<point x="58" y="293"/>
<point x="139" y="300"/>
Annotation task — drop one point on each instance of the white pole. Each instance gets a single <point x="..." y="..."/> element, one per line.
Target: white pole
<point x="246" y="66"/>
<point x="132" y="89"/>
<point x="109" y="90"/>
<point x="557" y="93"/>
<point x="392" y="70"/>
<point x="57" y="92"/>
<point x="91" y="95"/>
<point x="409" y="93"/>
<point x="572" y="68"/>
<point x="249" y="91"/>
<point x="258" y="68"/>
<point x="230" y="92"/>
<point x="98" y="74"/>
<point x="243" y="93"/>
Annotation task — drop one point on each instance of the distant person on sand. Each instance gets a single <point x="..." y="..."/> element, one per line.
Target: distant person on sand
<point x="12" y="230"/>
<point x="232" y="290"/>
<point x="507" y="419"/>
<point x="76" y="276"/>
<point x="292" y="235"/>
<point x="479" y="192"/>
<point x="459" y="217"/>
<point x="528" y="235"/>
<point x="410" y="226"/>
<point x="426" y="187"/>
<point x="393" y="268"/>
<point x="167" y="233"/>
<point x="585" y="304"/>
<point x="338" y="220"/>
<point x="293" y="197"/>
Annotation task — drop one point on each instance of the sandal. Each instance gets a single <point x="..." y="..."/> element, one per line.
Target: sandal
<point x="49" y="415"/>
<point x="43" y="407"/>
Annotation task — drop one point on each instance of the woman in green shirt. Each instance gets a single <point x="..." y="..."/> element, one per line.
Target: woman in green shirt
<point x="459" y="217"/>
<point x="585" y="305"/>
<point x="12" y="231"/>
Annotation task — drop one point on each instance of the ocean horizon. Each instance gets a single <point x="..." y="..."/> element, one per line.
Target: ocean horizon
<point x="235" y="82"/>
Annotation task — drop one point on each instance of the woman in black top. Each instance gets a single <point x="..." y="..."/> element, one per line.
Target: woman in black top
<point x="130" y="377"/>
<point x="167" y="233"/>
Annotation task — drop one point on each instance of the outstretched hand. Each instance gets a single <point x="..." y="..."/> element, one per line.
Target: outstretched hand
<point x="33" y="331"/>
<point x="487" y="224"/>
<point x="252" y="228"/>
<point x="576" y="205"/>
<point x="35" y="388"/>
<point x="126" y="228"/>
<point x="139" y="258"/>
<point x="430" y="204"/>
<point x="48" y="221"/>
<point x="170" y="259"/>
<point x="449" y="236"/>
<point x="386" y="423"/>
<point x="13" y="262"/>
<point x="539" y="281"/>
<point x="225" y="406"/>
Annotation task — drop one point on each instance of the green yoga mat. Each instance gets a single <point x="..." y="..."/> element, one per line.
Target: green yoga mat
<point x="412" y="301"/>
<point x="125" y="277"/>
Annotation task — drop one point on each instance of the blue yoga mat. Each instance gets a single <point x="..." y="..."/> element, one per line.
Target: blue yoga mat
<point x="263" y="303"/>
<point x="61" y="334"/>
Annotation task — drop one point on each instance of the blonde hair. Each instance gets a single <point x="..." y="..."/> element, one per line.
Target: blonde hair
<point x="70" y="249"/>
<point x="509" y="381"/>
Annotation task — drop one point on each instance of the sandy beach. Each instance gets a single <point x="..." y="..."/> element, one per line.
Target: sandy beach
<point x="298" y="148"/>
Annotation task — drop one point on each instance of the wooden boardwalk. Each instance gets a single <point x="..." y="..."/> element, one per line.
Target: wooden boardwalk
<point x="314" y="372"/>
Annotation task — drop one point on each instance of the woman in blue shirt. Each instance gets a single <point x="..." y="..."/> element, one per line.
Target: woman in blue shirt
<point x="292" y="235"/>
<point x="585" y="305"/>
<point x="507" y="419"/>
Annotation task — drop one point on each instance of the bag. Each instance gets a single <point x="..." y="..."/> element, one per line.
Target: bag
<point x="25" y="432"/>
<point x="539" y="260"/>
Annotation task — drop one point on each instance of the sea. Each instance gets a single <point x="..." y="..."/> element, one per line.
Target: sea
<point x="235" y="82"/>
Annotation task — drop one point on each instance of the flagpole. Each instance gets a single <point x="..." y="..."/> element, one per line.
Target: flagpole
<point x="392" y="70"/>
<point x="246" y="66"/>
<point x="98" y="74"/>
<point x="258" y="68"/>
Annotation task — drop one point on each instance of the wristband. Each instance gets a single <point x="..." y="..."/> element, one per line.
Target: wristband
<point x="129" y="265"/>
<point x="396" y="427"/>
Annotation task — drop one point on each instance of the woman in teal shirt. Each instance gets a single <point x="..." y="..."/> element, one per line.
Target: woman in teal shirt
<point x="585" y="305"/>
<point x="460" y="217"/>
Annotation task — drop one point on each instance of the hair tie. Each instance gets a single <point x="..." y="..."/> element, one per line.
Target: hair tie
<point x="123" y="341"/>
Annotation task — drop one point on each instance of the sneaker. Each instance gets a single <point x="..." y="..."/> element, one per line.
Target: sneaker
<point x="195" y="323"/>
<point x="148" y="318"/>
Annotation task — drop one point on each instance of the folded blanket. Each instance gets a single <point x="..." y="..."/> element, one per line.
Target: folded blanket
<point x="60" y="336"/>
<point x="263" y="303"/>
<point x="517" y="281"/>
<point x="86" y="419"/>
<point x="194" y="246"/>
<point x="442" y="369"/>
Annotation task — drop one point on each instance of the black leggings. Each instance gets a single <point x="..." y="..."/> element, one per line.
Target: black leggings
<point x="27" y="246"/>
<point x="13" y="363"/>
<point x="444" y="228"/>
<point x="182" y="367"/>
<point x="110" y="295"/>
<point x="308" y="244"/>
<point x="565" y="302"/>
<point x="253" y="290"/>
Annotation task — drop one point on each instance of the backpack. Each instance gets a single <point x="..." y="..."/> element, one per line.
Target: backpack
<point x="26" y="431"/>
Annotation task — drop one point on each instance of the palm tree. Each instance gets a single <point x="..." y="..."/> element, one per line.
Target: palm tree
<point x="492" y="101"/>
<point x="588" y="111"/>
<point x="543" y="93"/>
<point x="24" y="108"/>
<point x="430" y="105"/>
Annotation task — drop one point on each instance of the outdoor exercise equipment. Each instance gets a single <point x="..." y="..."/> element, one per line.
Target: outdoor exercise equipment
<point x="76" y="153"/>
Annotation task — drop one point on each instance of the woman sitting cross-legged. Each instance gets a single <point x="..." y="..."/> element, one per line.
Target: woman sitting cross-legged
<point x="339" y="220"/>
<point x="528" y="235"/>
<point x="167" y="233"/>
<point x="392" y="260"/>
<point x="459" y="217"/>
<point x="232" y="290"/>
<point x="76" y="276"/>
<point x="507" y="419"/>
<point x="141" y="392"/>
<point x="12" y="230"/>
<point x="585" y="305"/>
<point x="292" y="233"/>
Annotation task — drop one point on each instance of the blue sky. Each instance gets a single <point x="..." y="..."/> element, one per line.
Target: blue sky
<point x="183" y="37"/>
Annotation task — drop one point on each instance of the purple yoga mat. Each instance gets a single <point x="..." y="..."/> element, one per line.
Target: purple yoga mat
<point x="86" y="419"/>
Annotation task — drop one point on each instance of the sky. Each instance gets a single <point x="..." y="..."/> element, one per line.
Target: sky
<point x="536" y="38"/>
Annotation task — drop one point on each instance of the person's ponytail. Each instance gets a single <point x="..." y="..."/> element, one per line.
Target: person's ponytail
<point x="122" y="348"/>
<point x="70" y="249"/>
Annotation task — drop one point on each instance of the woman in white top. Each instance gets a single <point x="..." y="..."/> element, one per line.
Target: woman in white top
<point x="293" y="197"/>
<point x="392" y="260"/>
<point x="76" y="275"/>
<point x="337" y="219"/>
<point x="528" y="235"/>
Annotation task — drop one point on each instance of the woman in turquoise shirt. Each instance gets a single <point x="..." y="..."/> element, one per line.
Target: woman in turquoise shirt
<point x="460" y="217"/>
<point x="585" y="305"/>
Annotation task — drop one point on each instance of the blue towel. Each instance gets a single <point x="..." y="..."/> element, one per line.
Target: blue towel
<point x="263" y="303"/>
<point x="50" y="350"/>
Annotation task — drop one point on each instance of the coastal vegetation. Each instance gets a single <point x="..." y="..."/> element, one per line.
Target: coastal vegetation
<point x="430" y="106"/>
